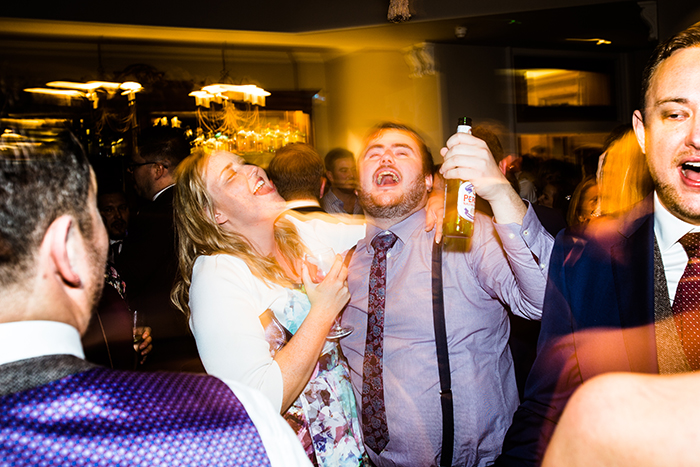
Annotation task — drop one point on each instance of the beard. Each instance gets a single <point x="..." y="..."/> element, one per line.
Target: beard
<point x="400" y="206"/>
<point x="678" y="205"/>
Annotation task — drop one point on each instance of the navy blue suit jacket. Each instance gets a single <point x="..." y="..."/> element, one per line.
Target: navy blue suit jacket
<point x="598" y="317"/>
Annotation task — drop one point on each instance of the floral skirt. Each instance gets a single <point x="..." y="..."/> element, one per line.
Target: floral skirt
<point x="325" y="414"/>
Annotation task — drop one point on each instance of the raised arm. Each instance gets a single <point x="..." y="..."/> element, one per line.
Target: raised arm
<point x="469" y="158"/>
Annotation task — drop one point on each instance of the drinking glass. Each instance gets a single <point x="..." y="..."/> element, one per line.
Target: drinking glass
<point x="319" y="263"/>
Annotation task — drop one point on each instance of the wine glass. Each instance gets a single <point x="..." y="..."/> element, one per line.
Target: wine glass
<point x="138" y="329"/>
<point x="319" y="263"/>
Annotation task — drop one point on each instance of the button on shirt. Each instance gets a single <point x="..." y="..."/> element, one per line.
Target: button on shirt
<point x="483" y="382"/>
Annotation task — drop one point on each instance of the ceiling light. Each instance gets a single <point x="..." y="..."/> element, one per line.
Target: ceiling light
<point x="597" y="41"/>
<point x="234" y="92"/>
<point x="89" y="86"/>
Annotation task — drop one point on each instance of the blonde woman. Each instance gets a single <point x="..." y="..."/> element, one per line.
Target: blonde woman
<point x="255" y="313"/>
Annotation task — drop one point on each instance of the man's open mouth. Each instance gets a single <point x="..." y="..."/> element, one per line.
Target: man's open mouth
<point x="386" y="178"/>
<point x="691" y="170"/>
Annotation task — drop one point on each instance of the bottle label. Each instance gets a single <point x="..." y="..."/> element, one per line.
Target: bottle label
<point x="466" y="201"/>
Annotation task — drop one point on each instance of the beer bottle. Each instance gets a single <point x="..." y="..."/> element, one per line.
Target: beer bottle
<point x="460" y="199"/>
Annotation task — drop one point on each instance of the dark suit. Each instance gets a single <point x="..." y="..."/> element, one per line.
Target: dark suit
<point x="525" y="332"/>
<point x="598" y="317"/>
<point x="108" y="340"/>
<point x="148" y="265"/>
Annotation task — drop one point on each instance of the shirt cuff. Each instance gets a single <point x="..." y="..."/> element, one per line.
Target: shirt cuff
<point x="512" y="235"/>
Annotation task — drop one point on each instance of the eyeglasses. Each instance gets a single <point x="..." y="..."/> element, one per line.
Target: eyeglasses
<point x="130" y="168"/>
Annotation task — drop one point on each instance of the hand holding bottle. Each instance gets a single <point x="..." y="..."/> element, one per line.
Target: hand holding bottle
<point x="469" y="158"/>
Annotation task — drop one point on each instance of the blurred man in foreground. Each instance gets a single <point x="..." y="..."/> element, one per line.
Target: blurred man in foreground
<point x="621" y="293"/>
<point x="629" y="420"/>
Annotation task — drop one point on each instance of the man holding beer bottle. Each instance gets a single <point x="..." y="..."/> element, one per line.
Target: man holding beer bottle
<point x="392" y="352"/>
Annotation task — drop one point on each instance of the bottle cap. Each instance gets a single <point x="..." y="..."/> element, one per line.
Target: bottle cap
<point x="464" y="121"/>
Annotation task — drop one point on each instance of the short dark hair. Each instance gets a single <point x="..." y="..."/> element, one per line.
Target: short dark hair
<point x="336" y="154"/>
<point x="164" y="144"/>
<point x="39" y="182"/>
<point x="426" y="156"/>
<point x="685" y="39"/>
<point x="297" y="171"/>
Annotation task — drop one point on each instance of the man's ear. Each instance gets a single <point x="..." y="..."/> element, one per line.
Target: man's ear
<point x="638" y="124"/>
<point x="429" y="182"/>
<point x="506" y="162"/>
<point x="57" y="238"/>
<point x="324" y="185"/>
<point x="160" y="170"/>
<point x="329" y="176"/>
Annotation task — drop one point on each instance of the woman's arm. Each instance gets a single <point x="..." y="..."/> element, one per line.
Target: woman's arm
<point x="298" y="358"/>
<point x="226" y="302"/>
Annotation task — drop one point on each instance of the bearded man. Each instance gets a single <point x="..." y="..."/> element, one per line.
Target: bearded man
<point x="392" y="351"/>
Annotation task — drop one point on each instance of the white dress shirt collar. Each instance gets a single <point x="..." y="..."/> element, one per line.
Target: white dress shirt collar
<point x="667" y="227"/>
<point x="161" y="191"/>
<point x="302" y="203"/>
<point x="20" y="340"/>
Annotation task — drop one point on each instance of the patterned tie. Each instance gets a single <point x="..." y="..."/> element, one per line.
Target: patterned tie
<point x="374" y="426"/>
<point x="686" y="305"/>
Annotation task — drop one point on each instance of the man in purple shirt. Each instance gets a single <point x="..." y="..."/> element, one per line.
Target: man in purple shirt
<point x="505" y="267"/>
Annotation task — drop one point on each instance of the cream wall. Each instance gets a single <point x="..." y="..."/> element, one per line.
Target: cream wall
<point x="365" y="88"/>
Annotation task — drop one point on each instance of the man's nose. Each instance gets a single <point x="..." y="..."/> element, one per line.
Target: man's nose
<point x="387" y="157"/>
<point x="694" y="134"/>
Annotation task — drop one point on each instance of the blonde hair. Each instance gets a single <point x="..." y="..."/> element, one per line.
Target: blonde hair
<point x="199" y="234"/>
<point x="624" y="177"/>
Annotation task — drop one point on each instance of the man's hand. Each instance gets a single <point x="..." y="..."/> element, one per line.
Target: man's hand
<point x="435" y="208"/>
<point x="143" y="341"/>
<point x="469" y="158"/>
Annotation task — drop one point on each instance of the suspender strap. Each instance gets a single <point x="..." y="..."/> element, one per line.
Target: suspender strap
<point x="443" y="359"/>
<point x="348" y="256"/>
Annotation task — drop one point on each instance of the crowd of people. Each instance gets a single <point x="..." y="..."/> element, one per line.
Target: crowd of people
<point x="211" y="281"/>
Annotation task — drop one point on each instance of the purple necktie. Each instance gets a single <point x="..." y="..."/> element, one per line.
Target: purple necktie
<point x="686" y="305"/>
<point x="374" y="426"/>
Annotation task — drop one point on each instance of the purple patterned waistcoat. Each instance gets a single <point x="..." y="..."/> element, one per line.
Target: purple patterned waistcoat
<point x="119" y="418"/>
